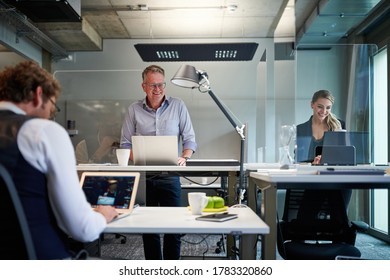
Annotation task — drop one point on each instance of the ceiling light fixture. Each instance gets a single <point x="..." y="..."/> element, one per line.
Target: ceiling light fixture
<point x="197" y="52"/>
<point x="144" y="8"/>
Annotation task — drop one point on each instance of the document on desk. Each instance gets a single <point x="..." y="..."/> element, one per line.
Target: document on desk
<point x="293" y="171"/>
<point x="347" y="171"/>
<point x="96" y="164"/>
<point x="212" y="162"/>
<point x="277" y="171"/>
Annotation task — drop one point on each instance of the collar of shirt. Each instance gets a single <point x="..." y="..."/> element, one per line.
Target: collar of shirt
<point x="163" y="105"/>
<point x="6" y="105"/>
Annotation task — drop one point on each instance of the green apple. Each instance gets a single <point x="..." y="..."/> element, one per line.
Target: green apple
<point x="215" y="202"/>
<point x="210" y="203"/>
<point x="218" y="202"/>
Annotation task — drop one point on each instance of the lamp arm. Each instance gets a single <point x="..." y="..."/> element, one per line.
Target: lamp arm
<point x="240" y="130"/>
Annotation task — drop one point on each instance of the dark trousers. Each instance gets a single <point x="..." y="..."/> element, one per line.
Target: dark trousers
<point x="162" y="191"/>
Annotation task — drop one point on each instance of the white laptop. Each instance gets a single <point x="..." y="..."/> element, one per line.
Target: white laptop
<point x="155" y="150"/>
<point x="118" y="189"/>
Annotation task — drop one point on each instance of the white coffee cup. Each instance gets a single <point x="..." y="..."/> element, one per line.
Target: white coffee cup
<point x="123" y="156"/>
<point x="197" y="201"/>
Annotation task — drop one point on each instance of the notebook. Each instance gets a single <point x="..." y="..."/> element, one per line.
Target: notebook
<point x="155" y="150"/>
<point x="337" y="155"/>
<point x="118" y="189"/>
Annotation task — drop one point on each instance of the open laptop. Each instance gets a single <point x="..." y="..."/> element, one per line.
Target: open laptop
<point x="340" y="137"/>
<point x="118" y="189"/>
<point x="336" y="155"/>
<point x="358" y="139"/>
<point x="155" y="150"/>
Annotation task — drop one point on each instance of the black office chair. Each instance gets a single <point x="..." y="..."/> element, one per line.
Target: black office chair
<point x="15" y="230"/>
<point x="315" y="226"/>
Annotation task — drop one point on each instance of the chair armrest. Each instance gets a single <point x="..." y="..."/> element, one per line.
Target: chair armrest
<point x="360" y="225"/>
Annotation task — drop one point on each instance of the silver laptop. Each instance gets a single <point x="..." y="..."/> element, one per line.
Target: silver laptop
<point x="118" y="189"/>
<point x="155" y="150"/>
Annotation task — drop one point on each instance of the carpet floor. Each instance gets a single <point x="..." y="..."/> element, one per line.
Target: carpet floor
<point x="214" y="246"/>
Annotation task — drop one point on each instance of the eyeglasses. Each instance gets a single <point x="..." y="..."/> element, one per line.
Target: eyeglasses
<point x="55" y="105"/>
<point x="155" y="86"/>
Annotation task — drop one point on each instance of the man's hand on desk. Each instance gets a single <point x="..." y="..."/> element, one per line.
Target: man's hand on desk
<point x="186" y="155"/>
<point x="181" y="161"/>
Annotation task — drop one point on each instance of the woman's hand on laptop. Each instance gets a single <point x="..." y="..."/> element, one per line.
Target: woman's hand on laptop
<point x="108" y="212"/>
<point x="317" y="160"/>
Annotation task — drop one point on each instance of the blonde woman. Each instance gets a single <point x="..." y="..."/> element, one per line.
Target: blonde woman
<point x="311" y="133"/>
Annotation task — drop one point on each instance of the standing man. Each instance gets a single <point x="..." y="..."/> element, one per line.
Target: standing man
<point x="158" y="114"/>
<point x="40" y="157"/>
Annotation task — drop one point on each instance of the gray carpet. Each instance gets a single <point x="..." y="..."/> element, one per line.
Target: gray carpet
<point x="205" y="247"/>
<point x="372" y="248"/>
<point x="193" y="247"/>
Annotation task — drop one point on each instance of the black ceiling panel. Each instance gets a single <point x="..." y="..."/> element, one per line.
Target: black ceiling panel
<point x="48" y="10"/>
<point x="197" y="52"/>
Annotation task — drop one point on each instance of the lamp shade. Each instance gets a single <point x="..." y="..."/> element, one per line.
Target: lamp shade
<point x="186" y="77"/>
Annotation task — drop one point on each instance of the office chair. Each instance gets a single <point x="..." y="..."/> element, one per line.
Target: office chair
<point x="15" y="231"/>
<point x="315" y="225"/>
<point x="81" y="152"/>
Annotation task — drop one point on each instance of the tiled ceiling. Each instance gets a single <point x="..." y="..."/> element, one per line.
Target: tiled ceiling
<point x="324" y="21"/>
<point x="183" y="18"/>
<point x="332" y="21"/>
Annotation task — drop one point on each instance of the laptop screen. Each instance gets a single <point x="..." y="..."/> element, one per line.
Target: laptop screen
<point x="337" y="155"/>
<point x="155" y="150"/>
<point x="117" y="189"/>
<point x="332" y="138"/>
<point x="359" y="139"/>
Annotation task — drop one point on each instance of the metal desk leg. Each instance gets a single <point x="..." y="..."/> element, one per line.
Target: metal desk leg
<point x="267" y="213"/>
<point x="232" y="180"/>
<point x="248" y="247"/>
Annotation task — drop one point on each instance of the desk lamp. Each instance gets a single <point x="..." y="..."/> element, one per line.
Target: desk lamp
<point x="189" y="77"/>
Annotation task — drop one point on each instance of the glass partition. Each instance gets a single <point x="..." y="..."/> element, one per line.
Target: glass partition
<point x="344" y="70"/>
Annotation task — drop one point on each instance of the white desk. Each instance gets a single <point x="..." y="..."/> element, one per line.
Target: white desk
<point x="180" y="220"/>
<point x="156" y="168"/>
<point x="269" y="182"/>
<point x="173" y="170"/>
